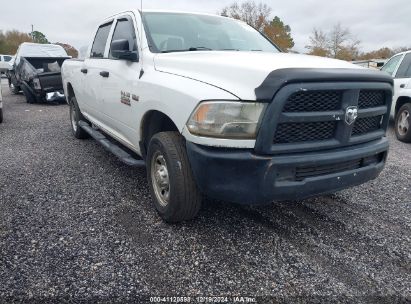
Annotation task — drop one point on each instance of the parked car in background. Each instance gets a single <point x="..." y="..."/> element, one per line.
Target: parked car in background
<point x="37" y="72"/>
<point x="5" y="63"/>
<point x="399" y="67"/>
<point x="212" y="108"/>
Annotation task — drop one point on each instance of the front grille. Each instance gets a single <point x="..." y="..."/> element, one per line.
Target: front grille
<point x="314" y="116"/>
<point x="366" y="125"/>
<point x="304" y="172"/>
<point x="313" y="101"/>
<point x="371" y="99"/>
<point x="307" y="131"/>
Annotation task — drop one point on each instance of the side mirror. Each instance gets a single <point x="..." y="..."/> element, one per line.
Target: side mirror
<point x="120" y="49"/>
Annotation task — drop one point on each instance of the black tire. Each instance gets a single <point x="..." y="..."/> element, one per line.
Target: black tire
<point x="75" y="117"/>
<point x="184" y="200"/>
<point x="1" y="115"/>
<point x="30" y="98"/>
<point x="403" y="123"/>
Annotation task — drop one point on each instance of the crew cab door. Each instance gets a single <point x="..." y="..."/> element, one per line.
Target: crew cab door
<point x="120" y="84"/>
<point x="90" y="78"/>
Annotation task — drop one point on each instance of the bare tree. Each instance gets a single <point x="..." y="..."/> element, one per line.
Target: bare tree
<point x="318" y="44"/>
<point x="342" y="43"/>
<point x="338" y="43"/>
<point x="255" y="15"/>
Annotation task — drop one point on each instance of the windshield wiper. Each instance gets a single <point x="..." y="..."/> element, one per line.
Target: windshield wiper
<point x="199" y="48"/>
<point x="191" y="49"/>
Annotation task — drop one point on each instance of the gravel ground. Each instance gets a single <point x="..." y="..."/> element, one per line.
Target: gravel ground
<point x="77" y="225"/>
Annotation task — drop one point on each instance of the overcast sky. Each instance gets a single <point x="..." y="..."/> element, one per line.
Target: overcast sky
<point x="377" y="23"/>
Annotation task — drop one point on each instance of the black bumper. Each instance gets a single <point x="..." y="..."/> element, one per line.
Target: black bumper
<point x="243" y="177"/>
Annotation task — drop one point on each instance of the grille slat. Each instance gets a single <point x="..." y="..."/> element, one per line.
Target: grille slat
<point x="314" y="101"/>
<point x="301" y="132"/>
<point x="371" y="99"/>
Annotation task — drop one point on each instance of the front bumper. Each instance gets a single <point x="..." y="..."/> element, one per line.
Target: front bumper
<point x="243" y="177"/>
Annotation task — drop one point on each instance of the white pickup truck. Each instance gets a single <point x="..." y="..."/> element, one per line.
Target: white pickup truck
<point x="212" y="108"/>
<point x="399" y="66"/>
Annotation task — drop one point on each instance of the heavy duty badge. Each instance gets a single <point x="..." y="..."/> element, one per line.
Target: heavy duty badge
<point x="125" y="98"/>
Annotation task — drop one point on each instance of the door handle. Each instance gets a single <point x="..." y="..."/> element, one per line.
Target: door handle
<point x="84" y="71"/>
<point x="104" y="74"/>
<point x="402" y="86"/>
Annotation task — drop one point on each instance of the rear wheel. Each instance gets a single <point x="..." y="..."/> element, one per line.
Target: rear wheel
<point x="1" y="115"/>
<point x="75" y="117"/>
<point x="173" y="189"/>
<point x="403" y="123"/>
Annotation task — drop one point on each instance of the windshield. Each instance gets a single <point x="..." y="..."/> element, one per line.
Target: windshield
<point x="176" y="32"/>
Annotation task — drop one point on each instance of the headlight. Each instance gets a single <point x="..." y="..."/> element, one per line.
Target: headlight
<point x="36" y="84"/>
<point x="226" y="119"/>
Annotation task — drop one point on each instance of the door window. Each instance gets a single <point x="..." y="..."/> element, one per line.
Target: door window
<point x="7" y="58"/>
<point x="125" y="31"/>
<point x="404" y="71"/>
<point x="99" y="44"/>
<point x="391" y="65"/>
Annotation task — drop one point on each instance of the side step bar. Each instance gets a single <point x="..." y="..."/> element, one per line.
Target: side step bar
<point x="121" y="154"/>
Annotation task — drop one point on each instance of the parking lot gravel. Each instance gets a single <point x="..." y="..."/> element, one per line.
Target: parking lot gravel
<point x="77" y="225"/>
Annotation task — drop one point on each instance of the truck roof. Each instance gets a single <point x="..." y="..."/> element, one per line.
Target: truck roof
<point x="137" y="11"/>
<point x="28" y="49"/>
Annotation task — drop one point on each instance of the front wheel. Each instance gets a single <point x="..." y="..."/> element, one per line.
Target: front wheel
<point x="30" y="98"/>
<point x="403" y="123"/>
<point x="173" y="189"/>
<point x="15" y="89"/>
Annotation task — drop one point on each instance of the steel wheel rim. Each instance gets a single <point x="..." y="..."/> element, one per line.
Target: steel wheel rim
<point x="73" y="118"/>
<point x="403" y="123"/>
<point x="160" y="178"/>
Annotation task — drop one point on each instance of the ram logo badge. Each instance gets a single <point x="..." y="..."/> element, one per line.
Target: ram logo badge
<point x="351" y="115"/>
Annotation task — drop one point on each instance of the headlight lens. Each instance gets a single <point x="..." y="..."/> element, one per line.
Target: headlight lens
<point x="36" y="84"/>
<point x="226" y="119"/>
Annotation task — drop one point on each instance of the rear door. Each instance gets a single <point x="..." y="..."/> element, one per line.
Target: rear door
<point x="91" y="80"/>
<point x="120" y="92"/>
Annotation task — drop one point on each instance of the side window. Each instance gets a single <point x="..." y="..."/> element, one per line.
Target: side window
<point x="391" y="65"/>
<point x="125" y="31"/>
<point x="99" y="44"/>
<point x="404" y="71"/>
<point x="7" y="58"/>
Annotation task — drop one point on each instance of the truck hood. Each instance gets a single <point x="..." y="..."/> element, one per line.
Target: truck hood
<point x="239" y="73"/>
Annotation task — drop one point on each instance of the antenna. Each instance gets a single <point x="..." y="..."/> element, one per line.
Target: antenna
<point x="141" y="39"/>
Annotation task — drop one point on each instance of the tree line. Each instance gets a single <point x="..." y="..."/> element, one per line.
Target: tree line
<point x="10" y="41"/>
<point x="337" y="42"/>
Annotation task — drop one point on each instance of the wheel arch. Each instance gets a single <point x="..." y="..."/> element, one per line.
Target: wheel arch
<point x="70" y="92"/>
<point x="402" y="100"/>
<point x="154" y="122"/>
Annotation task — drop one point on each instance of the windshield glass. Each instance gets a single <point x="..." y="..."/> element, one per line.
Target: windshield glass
<point x="173" y="32"/>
